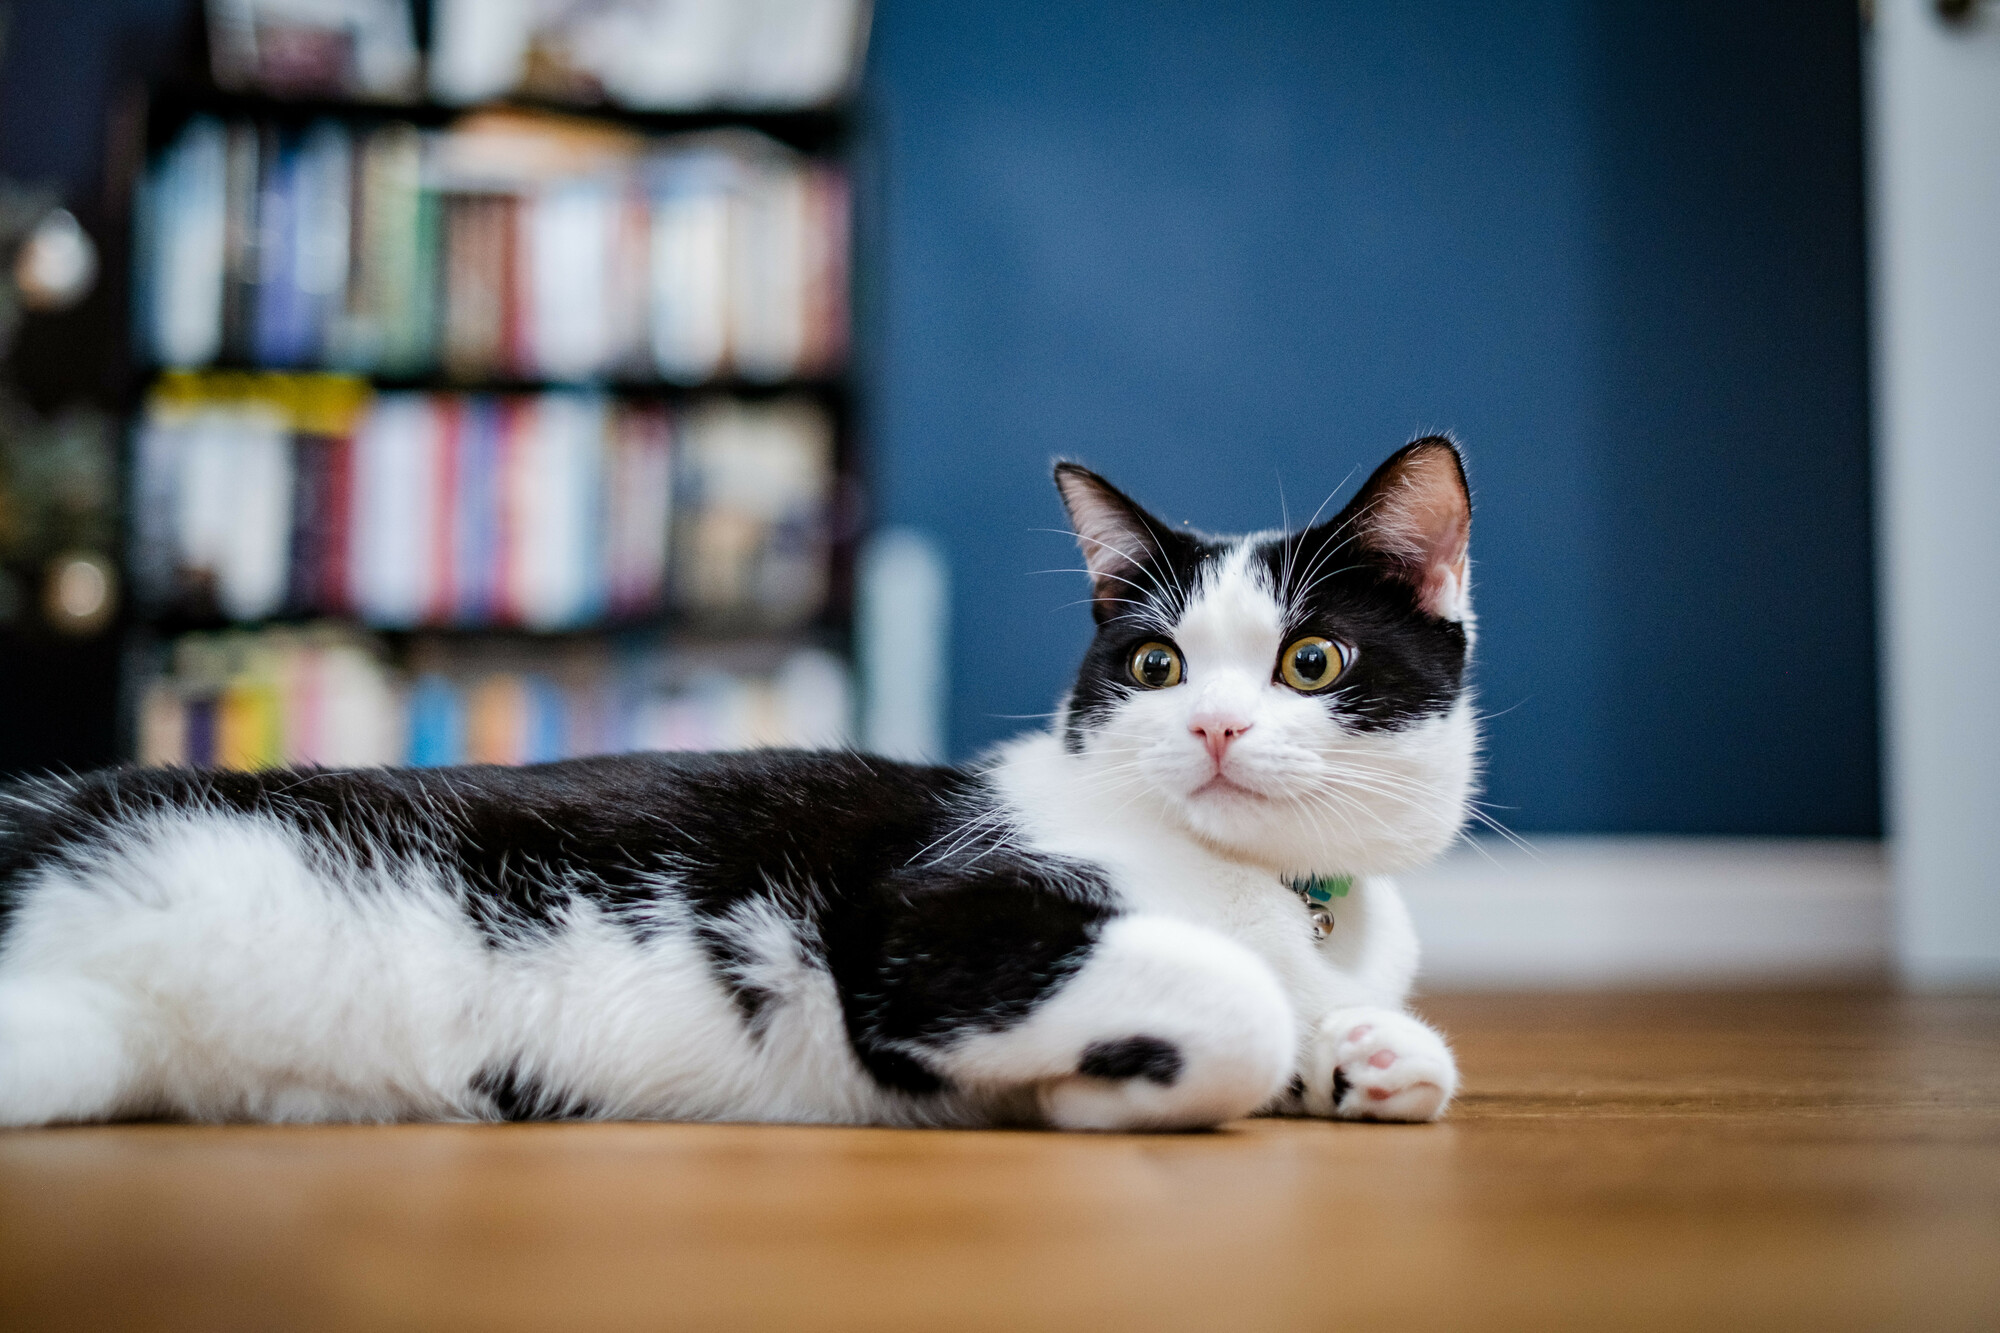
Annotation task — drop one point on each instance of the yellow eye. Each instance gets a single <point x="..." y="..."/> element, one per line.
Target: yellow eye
<point x="1312" y="664"/>
<point x="1156" y="665"/>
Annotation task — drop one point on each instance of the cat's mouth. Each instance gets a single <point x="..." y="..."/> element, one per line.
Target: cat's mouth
<point x="1220" y="785"/>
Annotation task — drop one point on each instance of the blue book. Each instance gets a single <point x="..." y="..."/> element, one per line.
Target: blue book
<point x="281" y="327"/>
<point x="544" y="739"/>
<point x="437" y="723"/>
<point x="476" y="514"/>
<point x="302" y="220"/>
<point x="201" y="731"/>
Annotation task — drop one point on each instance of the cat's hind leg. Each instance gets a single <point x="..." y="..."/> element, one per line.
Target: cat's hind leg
<point x="62" y="1055"/>
<point x="1165" y="1026"/>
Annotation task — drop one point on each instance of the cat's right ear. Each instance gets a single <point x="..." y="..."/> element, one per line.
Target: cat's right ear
<point x="1115" y="535"/>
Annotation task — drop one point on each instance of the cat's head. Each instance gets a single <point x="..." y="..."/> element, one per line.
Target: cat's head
<point x="1297" y="699"/>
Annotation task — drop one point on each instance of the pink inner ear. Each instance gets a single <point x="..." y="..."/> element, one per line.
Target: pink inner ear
<point x="1109" y="533"/>
<point x="1423" y="519"/>
<point x="1443" y="590"/>
<point x="1105" y="535"/>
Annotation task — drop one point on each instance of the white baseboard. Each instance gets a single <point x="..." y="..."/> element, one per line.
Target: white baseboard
<point x="1639" y="911"/>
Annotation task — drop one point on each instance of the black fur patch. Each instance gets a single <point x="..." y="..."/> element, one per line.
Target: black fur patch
<point x="1168" y="576"/>
<point x="517" y="1096"/>
<point x="934" y="951"/>
<point x="1409" y="664"/>
<point x="1149" y="1058"/>
<point x="1340" y="1086"/>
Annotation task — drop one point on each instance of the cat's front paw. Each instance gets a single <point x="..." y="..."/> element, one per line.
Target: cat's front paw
<point x="1378" y="1064"/>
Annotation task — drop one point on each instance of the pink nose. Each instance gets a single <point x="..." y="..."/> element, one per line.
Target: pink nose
<point x="1216" y="733"/>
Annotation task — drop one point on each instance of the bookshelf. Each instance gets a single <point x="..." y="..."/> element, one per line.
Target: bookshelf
<point x="527" y="538"/>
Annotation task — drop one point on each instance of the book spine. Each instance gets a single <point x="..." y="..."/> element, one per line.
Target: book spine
<point x="393" y="506"/>
<point x="302" y="705"/>
<point x="254" y="509"/>
<point x="278" y="333"/>
<point x="543" y="729"/>
<point x="403" y="254"/>
<point x="828" y="275"/>
<point x="437" y="724"/>
<point x="240" y="236"/>
<point x="474" y="515"/>
<point x="200" y="731"/>
<point x="184" y="235"/>
<point x="496" y="723"/>
<point x="509" y="279"/>
<point x="321" y="257"/>
<point x="311" y="509"/>
<point x="447" y="450"/>
<point x="467" y="335"/>
<point x="163" y="725"/>
<point x="159" y="441"/>
<point x="513" y="483"/>
<point x="689" y="266"/>
<point x="336" y="524"/>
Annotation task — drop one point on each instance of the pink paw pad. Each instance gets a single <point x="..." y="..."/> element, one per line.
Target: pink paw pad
<point x="1358" y="1033"/>
<point x="1382" y="1059"/>
<point x="1381" y="1094"/>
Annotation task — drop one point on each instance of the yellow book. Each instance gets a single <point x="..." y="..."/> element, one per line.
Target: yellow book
<point x="247" y="726"/>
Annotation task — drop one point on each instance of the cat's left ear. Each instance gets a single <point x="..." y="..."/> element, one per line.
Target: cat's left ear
<point x="1115" y="535"/>
<point x="1415" y="516"/>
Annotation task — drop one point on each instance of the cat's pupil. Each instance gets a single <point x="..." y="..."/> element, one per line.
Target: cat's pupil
<point x="1156" y="666"/>
<point x="1310" y="662"/>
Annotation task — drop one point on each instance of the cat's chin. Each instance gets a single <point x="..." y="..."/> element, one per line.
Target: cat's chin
<point x="1237" y="821"/>
<point x="1245" y="825"/>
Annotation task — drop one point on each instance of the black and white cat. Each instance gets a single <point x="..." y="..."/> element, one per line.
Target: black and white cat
<point x="1134" y="920"/>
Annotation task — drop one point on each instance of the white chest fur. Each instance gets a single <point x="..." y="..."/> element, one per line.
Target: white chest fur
<point x="1156" y="868"/>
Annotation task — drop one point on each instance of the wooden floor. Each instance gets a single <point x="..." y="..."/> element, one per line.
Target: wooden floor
<point x="1717" y="1162"/>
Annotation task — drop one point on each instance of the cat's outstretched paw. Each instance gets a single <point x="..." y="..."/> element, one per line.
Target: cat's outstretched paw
<point x="1378" y="1064"/>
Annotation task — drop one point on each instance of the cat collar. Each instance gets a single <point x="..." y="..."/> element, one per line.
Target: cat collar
<point x="1317" y="892"/>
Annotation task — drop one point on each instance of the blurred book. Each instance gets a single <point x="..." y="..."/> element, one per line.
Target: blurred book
<point x="386" y="321"/>
<point x="514" y="245"/>
<point x="260" y="495"/>
<point x="660" y="55"/>
<point x="179" y="246"/>
<point x="364" y="49"/>
<point x="302" y="242"/>
<point x="330" y="696"/>
<point x="752" y="534"/>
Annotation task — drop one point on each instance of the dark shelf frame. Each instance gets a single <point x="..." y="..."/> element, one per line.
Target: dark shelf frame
<point x="817" y="131"/>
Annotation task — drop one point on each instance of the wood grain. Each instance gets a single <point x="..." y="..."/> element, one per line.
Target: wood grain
<point x="1773" y="1161"/>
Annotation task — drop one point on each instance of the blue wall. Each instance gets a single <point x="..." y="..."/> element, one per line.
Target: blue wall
<point x="1224" y="252"/>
